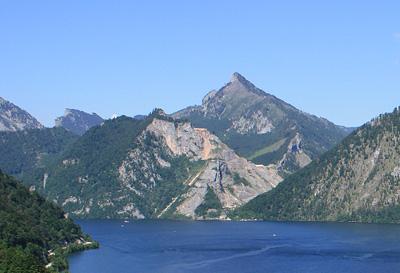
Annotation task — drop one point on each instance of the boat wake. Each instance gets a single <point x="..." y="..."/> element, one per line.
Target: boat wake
<point x="209" y="262"/>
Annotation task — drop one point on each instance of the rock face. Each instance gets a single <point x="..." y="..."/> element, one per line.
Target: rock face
<point x="77" y="121"/>
<point x="13" y="118"/>
<point x="261" y="127"/>
<point x="357" y="181"/>
<point x="233" y="179"/>
<point x="157" y="167"/>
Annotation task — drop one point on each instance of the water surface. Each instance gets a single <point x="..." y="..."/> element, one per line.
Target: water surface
<point x="168" y="246"/>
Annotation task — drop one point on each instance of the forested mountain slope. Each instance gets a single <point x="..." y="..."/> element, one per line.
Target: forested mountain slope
<point x="359" y="180"/>
<point x="25" y="154"/>
<point x="157" y="167"/>
<point x="34" y="232"/>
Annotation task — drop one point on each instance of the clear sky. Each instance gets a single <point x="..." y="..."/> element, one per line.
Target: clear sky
<point x="336" y="59"/>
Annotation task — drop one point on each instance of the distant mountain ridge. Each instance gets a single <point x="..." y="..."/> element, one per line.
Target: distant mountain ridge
<point x="77" y="121"/>
<point x="13" y="118"/>
<point x="359" y="180"/>
<point x="263" y="128"/>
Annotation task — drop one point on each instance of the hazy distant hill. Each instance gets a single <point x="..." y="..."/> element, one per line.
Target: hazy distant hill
<point x="77" y="121"/>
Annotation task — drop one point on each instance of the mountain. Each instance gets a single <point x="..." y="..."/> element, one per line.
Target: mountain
<point x="13" y="118"/>
<point x="33" y="232"/>
<point x="78" y="121"/>
<point x="359" y="180"/>
<point x="263" y="128"/>
<point x="26" y="153"/>
<point x="156" y="167"/>
<point x="139" y="117"/>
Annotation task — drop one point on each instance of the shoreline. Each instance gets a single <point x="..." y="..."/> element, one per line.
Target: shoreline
<point x="240" y="221"/>
<point x="58" y="258"/>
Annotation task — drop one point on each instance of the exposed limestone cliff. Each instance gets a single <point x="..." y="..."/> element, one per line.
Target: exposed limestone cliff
<point x="235" y="180"/>
<point x="153" y="168"/>
<point x="13" y="118"/>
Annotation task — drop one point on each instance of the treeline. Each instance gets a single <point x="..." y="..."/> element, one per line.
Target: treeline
<point x="30" y="229"/>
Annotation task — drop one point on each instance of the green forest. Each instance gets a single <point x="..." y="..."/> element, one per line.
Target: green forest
<point x="31" y="228"/>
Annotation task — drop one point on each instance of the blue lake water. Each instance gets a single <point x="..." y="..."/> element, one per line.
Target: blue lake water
<point x="168" y="246"/>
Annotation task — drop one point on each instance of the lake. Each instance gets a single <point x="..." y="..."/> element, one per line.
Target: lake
<point x="207" y="247"/>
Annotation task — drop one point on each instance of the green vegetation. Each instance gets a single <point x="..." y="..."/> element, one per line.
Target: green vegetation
<point x="168" y="187"/>
<point x="211" y="206"/>
<point x="318" y="135"/>
<point x="330" y="188"/>
<point x="269" y="149"/>
<point x="16" y="260"/>
<point x="194" y="168"/>
<point x="30" y="227"/>
<point x="90" y="171"/>
<point x="238" y="180"/>
<point x="88" y="168"/>
<point x="240" y="112"/>
<point x="23" y="152"/>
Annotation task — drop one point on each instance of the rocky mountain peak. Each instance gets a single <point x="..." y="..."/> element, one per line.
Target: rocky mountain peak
<point x="234" y="100"/>
<point x="209" y="96"/>
<point x="236" y="77"/>
<point x="239" y="113"/>
<point x="239" y="82"/>
<point x="69" y="111"/>
<point x="13" y="118"/>
<point x="78" y="121"/>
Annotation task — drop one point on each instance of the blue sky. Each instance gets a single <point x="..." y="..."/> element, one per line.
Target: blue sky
<point x="339" y="60"/>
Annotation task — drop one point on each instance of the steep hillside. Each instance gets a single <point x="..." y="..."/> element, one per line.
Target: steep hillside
<point x="359" y="180"/>
<point x="263" y="128"/>
<point x="13" y="118"/>
<point x="157" y="167"/>
<point x="26" y="153"/>
<point x="33" y="232"/>
<point x="78" y="122"/>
